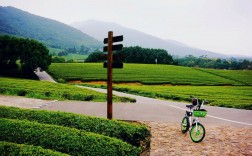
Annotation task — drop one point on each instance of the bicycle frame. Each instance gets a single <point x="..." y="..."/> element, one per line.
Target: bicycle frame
<point x="190" y="112"/>
<point x="191" y="121"/>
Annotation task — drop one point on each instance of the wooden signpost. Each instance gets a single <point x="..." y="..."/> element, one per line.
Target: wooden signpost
<point x="110" y="48"/>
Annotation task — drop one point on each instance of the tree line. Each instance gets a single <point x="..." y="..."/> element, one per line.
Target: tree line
<point x="215" y="63"/>
<point x="82" y="51"/>
<point x="27" y="53"/>
<point x="135" y="55"/>
<point x="160" y="56"/>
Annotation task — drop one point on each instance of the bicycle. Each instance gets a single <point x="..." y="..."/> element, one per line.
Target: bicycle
<point x="197" y="131"/>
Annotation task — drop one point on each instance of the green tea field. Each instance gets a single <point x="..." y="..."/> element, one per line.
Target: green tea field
<point x="145" y="74"/>
<point x="49" y="90"/>
<point x="223" y="96"/>
<point x="243" y="76"/>
<point x="225" y="88"/>
<point x="36" y="132"/>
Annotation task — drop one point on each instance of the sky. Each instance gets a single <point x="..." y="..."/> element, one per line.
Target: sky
<point x="223" y="26"/>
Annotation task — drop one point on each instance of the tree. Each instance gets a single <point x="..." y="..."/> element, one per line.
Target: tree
<point x="8" y="51"/>
<point x="205" y="62"/>
<point x="135" y="55"/>
<point x="58" y="60"/>
<point x="62" y="53"/>
<point x="96" y="57"/>
<point x="31" y="53"/>
<point x="144" y="55"/>
<point x="84" y="50"/>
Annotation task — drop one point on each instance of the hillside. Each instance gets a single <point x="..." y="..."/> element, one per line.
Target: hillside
<point x="133" y="37"/>
<point x="52" y="33"/>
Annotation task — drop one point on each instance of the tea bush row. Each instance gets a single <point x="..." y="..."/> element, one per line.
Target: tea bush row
<point x="49" y="90"/>
<point x="63" y="139"/>
<point x="131" y="133"/>
<point x="224" y="96"/>
<point x="143" y="73"/>
<point x="242" y="76"/>
<point x="12" y="149"/>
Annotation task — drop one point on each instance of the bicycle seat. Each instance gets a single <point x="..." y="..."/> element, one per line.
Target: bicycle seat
<point x="189" y="106"/>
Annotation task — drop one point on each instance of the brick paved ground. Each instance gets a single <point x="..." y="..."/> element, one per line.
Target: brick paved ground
<point x="167" y="139"/>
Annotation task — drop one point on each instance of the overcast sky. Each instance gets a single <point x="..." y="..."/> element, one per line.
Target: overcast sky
<point x="223" y="26"/>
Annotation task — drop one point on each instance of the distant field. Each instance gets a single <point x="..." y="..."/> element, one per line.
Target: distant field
<point x="55" y="50"/>
<point x="223" y="96"/>
<point x="143" y="73"/>
<point x="76" y="57"/>
<point x="70" y="56"/>
<point x="49" y="90"/>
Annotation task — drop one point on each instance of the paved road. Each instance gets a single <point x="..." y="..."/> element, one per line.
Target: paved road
<point x="148" y="109"/>
<point x="43" y="76"/>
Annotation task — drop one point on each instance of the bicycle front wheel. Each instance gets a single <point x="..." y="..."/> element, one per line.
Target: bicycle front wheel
<point x="197" y="133"/>
<point x="185" y="124"/>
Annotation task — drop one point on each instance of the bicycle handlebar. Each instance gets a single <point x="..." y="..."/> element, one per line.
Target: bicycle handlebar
<point x="199" y="104"/>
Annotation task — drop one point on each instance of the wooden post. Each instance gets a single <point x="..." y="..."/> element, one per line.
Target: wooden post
<point x="109" y="76"/>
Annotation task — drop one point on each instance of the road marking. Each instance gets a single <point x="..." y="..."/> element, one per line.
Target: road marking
<point x="243" y="123"/>
<point x="230" y="120"/>
<point x="217" y="117"/>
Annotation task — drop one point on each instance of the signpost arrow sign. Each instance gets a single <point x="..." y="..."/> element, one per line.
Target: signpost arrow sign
<point x="114" y="47"/>
<point x="115" y="39"/>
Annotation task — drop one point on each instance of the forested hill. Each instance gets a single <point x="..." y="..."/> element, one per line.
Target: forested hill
<point x="53" y="33"/>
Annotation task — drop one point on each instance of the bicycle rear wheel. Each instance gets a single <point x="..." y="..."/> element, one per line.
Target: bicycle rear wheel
<point x="185" y="124"/>
<point x="197" y="133"/>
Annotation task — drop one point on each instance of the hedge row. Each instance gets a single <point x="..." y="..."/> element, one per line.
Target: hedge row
<point x="63" y="139"/>
<point x="131" y="133"/>
<point x="7" y="148"/>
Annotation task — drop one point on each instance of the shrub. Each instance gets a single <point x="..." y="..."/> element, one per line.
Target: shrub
<point x="131" y="133"/>
<point x="63" y="139"/>
<point x="60" y="80"/>
<point x="7" y="148"/>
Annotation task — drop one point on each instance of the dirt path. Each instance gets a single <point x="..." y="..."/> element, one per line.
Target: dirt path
<point x="43" y="76"/>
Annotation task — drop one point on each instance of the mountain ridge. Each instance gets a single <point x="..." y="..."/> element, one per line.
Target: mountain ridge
<point x="132" y="37"/>
<point x="55" y="34"/>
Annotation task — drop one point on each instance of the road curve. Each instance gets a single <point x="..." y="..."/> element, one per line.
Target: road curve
<point x="149" y="109"/>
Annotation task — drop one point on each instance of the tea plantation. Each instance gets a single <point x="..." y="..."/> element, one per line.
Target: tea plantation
<point x="33" y="132"/>
<point x="49" y="90"/>
<point x="225" y="88"/>
<point x="243" y="76"/>
<point x="48" y="133"/>
<point x="146" y="74"/>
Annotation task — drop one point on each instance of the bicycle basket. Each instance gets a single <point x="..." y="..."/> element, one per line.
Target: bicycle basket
<point x="200" y="113"/>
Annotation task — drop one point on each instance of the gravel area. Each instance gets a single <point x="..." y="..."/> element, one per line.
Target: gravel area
<point x="167" y="139"/>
